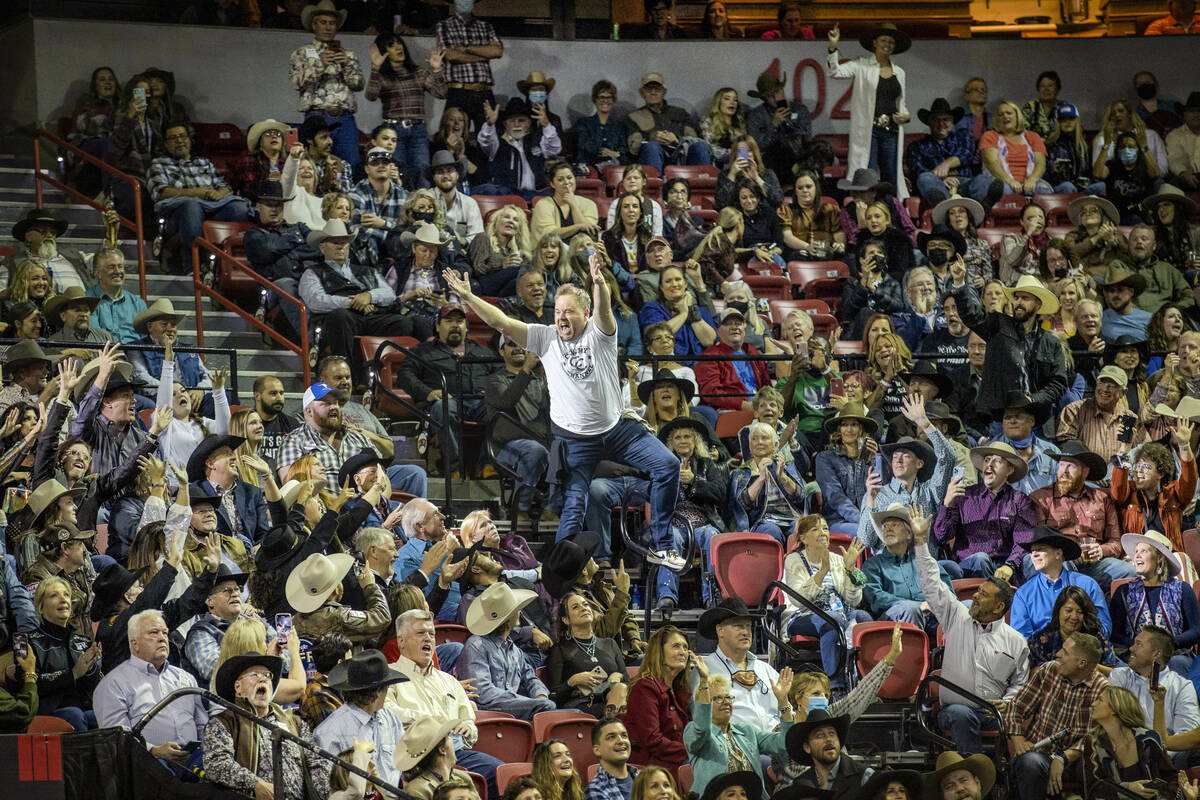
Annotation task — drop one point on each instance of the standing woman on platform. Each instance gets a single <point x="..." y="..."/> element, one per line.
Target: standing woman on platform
<point x="878" y="108"/>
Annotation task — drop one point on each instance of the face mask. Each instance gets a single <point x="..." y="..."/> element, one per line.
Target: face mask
<point x="1146" y="91"/>
<point x="938" y="258"/>
<point x="537" y="97"/>
<point x="740" y="305"/>
<point x="422" y="216"/>
<point x="464" y="6"/>
<point x="1128" y="155"/>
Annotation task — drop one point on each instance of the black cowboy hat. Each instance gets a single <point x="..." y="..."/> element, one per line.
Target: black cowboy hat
<point x="929" y="371"/>
<point x="232" y="669"/>
<point x="563" y="562"/>
<point x="276" y="548"/>
<point x="26" y="351"/>
<point x="685" y="387"/>
<point x="224" y="573"/>
<point x="269" y="192"/>
<point x="367" y="670"/>
<point x="748" y="780"/>
<point x="911" y="780"/>
<point x="937" y="411"/>
<point x="110" y="586"/>
<point x="797" y="737"/>
<point x="728" y="608"/>
<point x="1044" y="534"/>
<point x="797" y="791"/>
<point x="32" y="217"/>
<point x="664" y="433"/>
<point x="515" y="107"/>
<point x="1015" y="398"/>
<point x="363" y="458"/>
<point x="903" y="42"/>
<point x="1077" y="450"/>
<point x="196" y="471"/>
<point x="1192" y="103"/>
<point x="940" y="105"/>
<point x="945" y="234"/>
<point x="198" y="494"/>
<point x="920" y="449"/>
<point x="1122" y="342"/>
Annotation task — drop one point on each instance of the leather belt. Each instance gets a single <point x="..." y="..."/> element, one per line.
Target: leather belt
<point x="470" y="87"/>
<point x="402" y="123"/>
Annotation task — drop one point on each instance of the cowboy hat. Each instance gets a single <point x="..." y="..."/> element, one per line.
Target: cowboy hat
<point x="1077" y="451"/>
<point x="796" y="791"/>
<point x="1126" y="341"/>
<point x="159" y="309"/>
<point x="224" y="573"/>
<point x="851" y="412"/>
<point x="269" y="192"/>
<point x="1187" y="408"/>
<point x="748" y="780"/>
<point x="110" y="586"/>
<point x="334" y="229"/>
<point x="729" y="608"/>
<point x="34" y="216"/>
<point x="563" y="562"/>
<point x="1028" y="284"/>
<point x="232" y="669"/>
<point x="1044" y="534"/>
<point x="797" y="737"/>
<point x="1106" y="208"/>
<point x="535" y="77"/>
<point x="26" y="351"/>
<point x="121" y="377"/>
<point x="927" y="371"/>
<point x="1130" y="541"/>
<point x="937" y="411"/>
<point x="894" y="511"/>
<point x="978" y="765"/>
<point x="46" y="494"/>
<point x="420" y="738"/>
<point x="1015" y="398"/>
<point x="940" y="105"/>
<point x="425" y="233"/>
<point x="259" y="128"/>
<point x="945" y="234"/>
<point x="864" y="180"/>
<point x="973" y="207"/>
<point x="1119" y="274"/>
<point x="290" y="492"/>
<point x="767" y="85"/>
<point x="322" y="7"/>
<point x="877" y="785"/>
<point x="367" y="670"/>
<point x="312" y="581"/>
<point x="444" y="158"/>
<point x="495" y="605"/>
<point x="1005" y="451"/>
<point x="61" y="533"/>
<point x="281" y="542"/>
<point x="664" y="433"/>
<point x="664" y="375"/>
<point x="1169" y="194"/>
<point x="515" y="107"/>
<point x="197" y="470"/>
<point x="72" y="294"/>
<point x="903" y="42"/>
<point x="360" y="460"/>
<point x="918" y="448"/>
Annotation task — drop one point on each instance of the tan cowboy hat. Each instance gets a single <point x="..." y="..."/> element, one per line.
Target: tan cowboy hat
<point x="1188" y="408"/>
<point x="419" y="740"/>
<point x="425" y="233"/>
<point x="72" y="294"/>
<point x="894" y="511"/>
<point x="978" y="765"/>
<point x="122" y="376"/>
<point x="535" y="77"/>
<point x="1031" y="285"/>
<point x="1130" y="541"/>
<point x="856" y="413"/>
<point x="1169" y="194"/>
<point x="1005" y="451"/>
<point x="494" y="606"/>
<point x="159" y="309"/>
<point x="314" y="579"/>
<point x="1119" y="274"/>
<point x="334" y="229"/>
<point x="942" y="210"/>
<point x="289" y="493"/>
<point x="323" y="7"/>
<point x="46" y="494"/>
<point x="259" y="128"/>
<point x="1105" y="205"/>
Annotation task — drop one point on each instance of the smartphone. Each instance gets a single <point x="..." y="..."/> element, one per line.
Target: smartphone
<point x="744" y="152"/>
<point x="879" y="465"/>
<point x="20" y="646"/>
<point x="802" y="348"/>
<point x="837" y="386"/>
<point x="139" y="95"/>
<point x="291" y="138"/>
<point x="334" y="44"/>
<point x="1125" y="434"/>
<point x="283" y="628"/>
<point x="190" y="747"/>
<point x="957" y="474"/>
<point x="1154" y="677"/>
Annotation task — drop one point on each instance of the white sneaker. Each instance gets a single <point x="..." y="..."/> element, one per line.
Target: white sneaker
<point x="667" y="558"/>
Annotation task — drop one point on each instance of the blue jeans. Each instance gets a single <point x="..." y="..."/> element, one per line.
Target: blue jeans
<point x="931" y="187"/>
<point x="768" y="527"/>
<point x="668" y="581"/>
<point x="290" y="310"/>
<point x="412" y="148"/>
<point x="1095" y="188"/>
<point x="408" y="478"/>
<point x="1041" y="188"/>
<point x="627" y="442"/>
<point x="1031" y="771"/>
<point x="964" y="723"/>
<point x="603" y="494"/>
<point x="885" y="149"/>
<point x="976" y="565"/>
<point x="481" y="764"/>
<point x="187" y="219"/>
<point x="652" y="155"/>
<point x="345" y="136"/>
<point x="528" y="459"/>
<point x="910" y="611"/>
<point x="80" y="720"/>
<point x="448" y="434"/>
<point x="812" y="625"/>
<point x="448" y="653"/>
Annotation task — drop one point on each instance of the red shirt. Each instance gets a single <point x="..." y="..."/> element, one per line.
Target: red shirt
<point x="655" y="721"/>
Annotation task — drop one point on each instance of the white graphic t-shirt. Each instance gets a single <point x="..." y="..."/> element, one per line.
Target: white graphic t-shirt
<point x="585" y="386"/>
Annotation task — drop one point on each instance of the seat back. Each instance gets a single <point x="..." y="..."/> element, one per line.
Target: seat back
<point x="690" y="172"/>
<point x="729" y="423"/>
<point x="506" y="773"/>
<point x="509" y="740"/>
<point x="494" y="202"/>
<point x="451" y="632"/>
<point x="874" y="639"/>
<point x="572" y="729"/>
<point x="965" y="588"/>
<point x="481" y="715"/>
<point x="48" y="724"/>
<point x="389" y="367"/>
<point x="686" y="778"/>
<point x="218" y="139"/>
<point x="1117" y="584"/>
<point x="771" y="287"/>
<point x="1191" y="545"/>
<point x="745" y="564"/>
<point x="219" y="232"/>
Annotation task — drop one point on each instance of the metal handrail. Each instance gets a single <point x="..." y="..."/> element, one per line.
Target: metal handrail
<point x="135" y="224"/>
<point x="780" y="639"/>
<point x="925" y="698"/>
<point x="201" y="288"/>
<point x="640" y="550"/>
<point x="278" y="735"/>
<point x="493" y="450"/>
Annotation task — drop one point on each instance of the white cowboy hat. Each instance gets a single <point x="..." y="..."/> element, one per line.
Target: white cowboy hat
<point x="259" y="128"/>
<point x="1130" y="541"/>
<point x="334" y="229"/>
<point x="1005" y="451"/>
<point x="425" y="233"/>
<point x="159" y="309"/>
<point x="494" y="606"/>
<point x="314" y="579"/>
<point x="1028" y="284"/>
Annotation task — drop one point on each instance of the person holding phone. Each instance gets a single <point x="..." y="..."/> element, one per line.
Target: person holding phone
<point x="1120" y="747"/>
<point x="1148" y="493"/>
<point x="326" y="75"/>
<point x="1099" y="421"/>
<point x="1167" y="698"/>
<point x="68" y="663"/>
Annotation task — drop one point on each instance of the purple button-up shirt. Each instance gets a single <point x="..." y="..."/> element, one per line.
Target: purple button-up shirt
<point x="982" y="522"/>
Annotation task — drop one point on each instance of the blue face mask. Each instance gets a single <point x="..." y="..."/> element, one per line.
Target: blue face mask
<point x="1128" y="155"/>
<point x="537" y="98"/>
<point x="464" y="6"/>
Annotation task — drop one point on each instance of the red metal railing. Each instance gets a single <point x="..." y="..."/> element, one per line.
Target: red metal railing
<point x="40" y="177"/>
<point x="234" y="263"/>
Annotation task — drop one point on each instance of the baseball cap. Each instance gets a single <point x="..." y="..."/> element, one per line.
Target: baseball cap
<point x="62" y="533"/>
<point x="657" y="240"/>
<point x="378" y="152"/>
<point x="451" y="308"/>
<point x="1115" y="374"/>
<point x="317" y="392"/>
<point x="1066" y="111"/>
<point x="728" y="314"/>
<point x="653" y="77"/>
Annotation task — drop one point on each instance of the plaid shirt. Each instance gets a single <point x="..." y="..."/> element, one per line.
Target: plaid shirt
<point x="453" y="33"/>
<point x="403" y="96"/>
<point x="605" y="787"/>
<point x="305" y="439"/>
<point x="323" y="86"/>
<point x="171" y="173"/>
<point x="367" y="201"/>
<point x="1049" y="702"/>
<point x="318" y="702"/>
<point x="252" y="169"/>
<point x="137" y="142"/>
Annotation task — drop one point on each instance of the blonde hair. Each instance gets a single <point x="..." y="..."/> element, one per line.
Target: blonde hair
<point x="1006" y="306"/>
<point x="643" y="779"/>
<point x="470" y="522"/>
<point x="329" y="200"/>
<point x="717" y="683"/>
<point x="802" y="682"/>
<point x="1137" y="125"/>
<point x="753" y="320"/>
<point x="520" y="240"/>
<point x="237" y="427"/>
<point x="43" y="591"/>
<point x="699" y="446"/>
<point x="439" y="216"/>
<point x="243" y="636"/>
<point x="1016" y="108"/>
<point x="1128" y="711"/>
<point x="562" y="270"/>
<point x="18" y="287"/>
<point x="901" y="348"/>
<point x="718" y="129"/>
<point x="727" y="220"/>
<point x="767" y="393"/>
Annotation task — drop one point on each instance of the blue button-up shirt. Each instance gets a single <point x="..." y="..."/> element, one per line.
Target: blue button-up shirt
<point x="927" y="494"/>
<point x="408" y="560"/>
<point x="503" y="677"/>
<point x="926" y="153"/>
<point x="1034" y="601"/>
<point x="605" y="787"/>
<point x="348" y="722"/>
<point x="1113" y="325"/>
<point x="1040" y="468"/>
<point x="892" y="579"/>
<point x="134" y="686"/>
<point x="116" y="316"/>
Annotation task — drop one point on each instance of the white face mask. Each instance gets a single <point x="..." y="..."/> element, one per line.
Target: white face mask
<point x="464" y="6"/>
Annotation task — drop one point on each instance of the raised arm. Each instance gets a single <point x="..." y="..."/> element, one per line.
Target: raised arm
<point x="601" y="299"/>
<point x="512" y="328"/>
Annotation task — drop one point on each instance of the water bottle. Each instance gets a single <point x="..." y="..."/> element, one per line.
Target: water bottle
<point x="635" y="597"/>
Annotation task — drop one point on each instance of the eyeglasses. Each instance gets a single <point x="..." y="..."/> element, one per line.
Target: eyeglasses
<point x="231" y="591"/>
<point x="257" y="675"/>
<point x="723" y="698"/>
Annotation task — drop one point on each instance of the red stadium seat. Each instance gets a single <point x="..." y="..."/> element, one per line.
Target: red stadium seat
<point x="745" y="564"/>
<point x="1117" y="584"/>
<point x="48" y="724"/>
<point x="847" y="347"/>
<point x="818" y="280"/>
<point x="613" y="172"/>
<point x="573" y="728"/>
<point x="965" y="588"/>
<point x="685" y="779"/>
<point x="450" y="632"/>
<point x="589" y="187"/>
<point x="756" y="267"/>
<point x="481" y="715"/>
<point x="390" y="365"/>
<point x="1191" y="545"/>
<point x="874" y="639"/>
<point x="510" y="740"/>
<point x="813" y="307"/>
<point x="730" y="422"/>
<point x="233" y="284"/>
<point x="770" y="287"/>
<point x="506" y="773"/>
<point x="218" y="139"/>
<point x="494" y="202"/>
<point x="691" y="172"/>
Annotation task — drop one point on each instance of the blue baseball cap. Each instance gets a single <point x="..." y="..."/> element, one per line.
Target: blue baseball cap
<point x="1066" y="111"/>
<point x="318" y="391"/>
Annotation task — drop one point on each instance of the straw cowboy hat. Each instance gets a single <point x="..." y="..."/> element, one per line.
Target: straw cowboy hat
<point x="259" y="128"/>
<point x="419" y="740"/>
<point x="1130" y="541"/>
<point x="425" y="233"/>
<point x="1106" y="208"/>
<point x="1028" y="284"/>
<point x="853" y="412"/>
<point x="942" y="209"/>
<point x="46" y="494"/>
<point x="159" y="309"/>
<point x="1005" y="451"/>
<point x="978" y="765"/>
<point x="314" y="579"/>
<point x="72" y="294"/>
<point x="494" y="606"/>
<point x="894" y="511"/>
<point x="325" y="7"/>
<point x="334" y="229"/>
<point x="534" y="78"/>
<point x="1188" y="408"/>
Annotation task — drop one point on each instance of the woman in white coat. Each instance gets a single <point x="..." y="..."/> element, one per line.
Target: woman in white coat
<point x="878" y="106"/>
